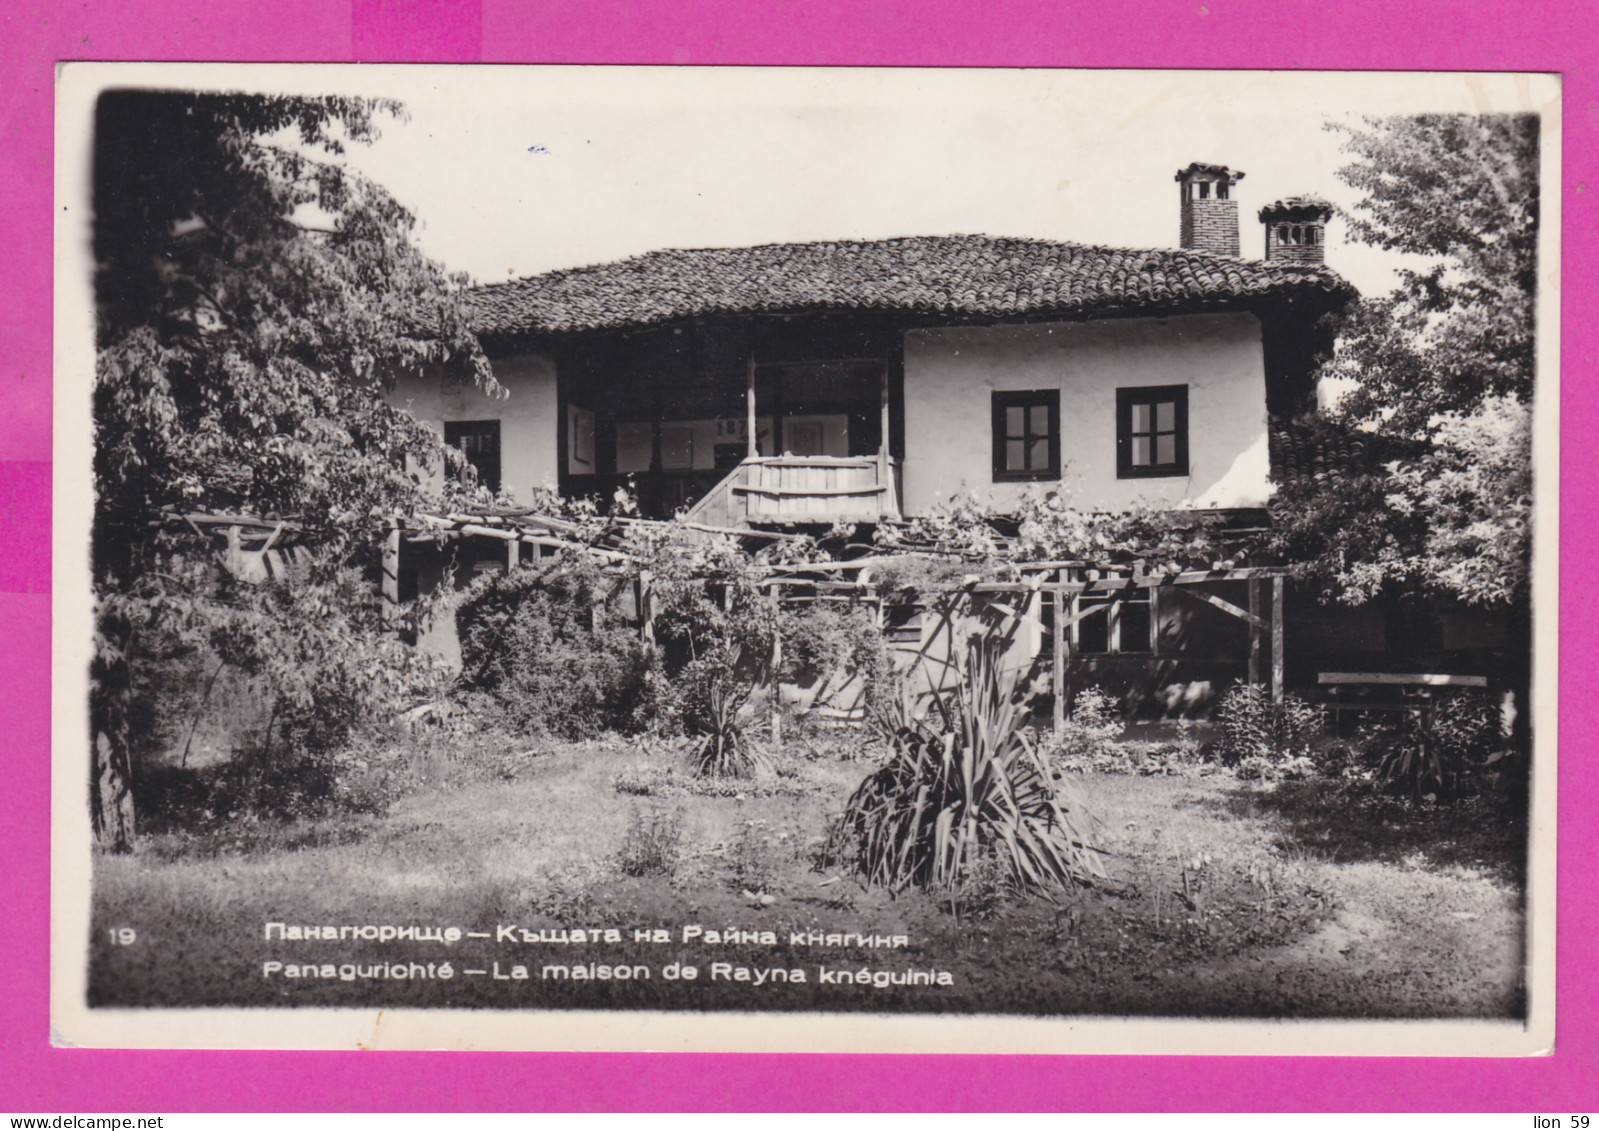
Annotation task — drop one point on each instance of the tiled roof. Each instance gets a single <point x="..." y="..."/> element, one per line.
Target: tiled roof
<point x="1297" y="207"/>
<point x="1311" y="448"/>
<point x="1202" y="169"/>
<point x="952" y="276"/>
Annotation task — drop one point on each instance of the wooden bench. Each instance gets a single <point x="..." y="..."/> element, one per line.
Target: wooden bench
<point x="1416" y="691"/>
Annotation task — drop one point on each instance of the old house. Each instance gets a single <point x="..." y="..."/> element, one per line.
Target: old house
<point x="806" y="384"/>
<point x="810" y="382"/>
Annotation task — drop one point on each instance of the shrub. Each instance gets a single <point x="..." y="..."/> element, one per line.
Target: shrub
<point x="834" y="643"/>
<point x="1338" y="760"/>
<point x="1258" y="767"/>
<point x="1266" y="739"/>
<point x="312" y="671"/>
<point x="716" y="638"/>
<point x="536" y="650"/>
<point x="651" y="845"/>
<point x="1460" y="750"/>
<point x="712" y="692"/>
<point x="1086" y="738"/>
<point x="964" y="779"/>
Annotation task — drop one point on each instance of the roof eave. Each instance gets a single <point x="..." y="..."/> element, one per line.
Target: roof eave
<point x="1319" y="300"/>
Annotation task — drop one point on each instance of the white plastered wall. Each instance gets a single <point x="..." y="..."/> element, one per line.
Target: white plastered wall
<point x="951" y="372"/>
<point x="528" y="416"/>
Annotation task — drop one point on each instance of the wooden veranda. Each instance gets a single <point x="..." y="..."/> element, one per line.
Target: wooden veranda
<point x="801" y="489"/>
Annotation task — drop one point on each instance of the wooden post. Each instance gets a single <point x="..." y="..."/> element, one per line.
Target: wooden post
<point x="1254" y="634"/>
<point x="391" y="572"/>
<point x="235" y="559"/>
<point x="885" y="476"/>
<point x="754" y="450"/>
<point x="1058" y="669"/>
<point x="777" y="689"/>
<point x="646" y="609"/>
<point x="513" y="555"/>
<point x="1276" y="640"/>
<point x="777" y="667"/>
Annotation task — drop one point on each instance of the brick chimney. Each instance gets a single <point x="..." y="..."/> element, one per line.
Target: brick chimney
<point x="1296" y="229"/>
<point x="1209" y="214"/>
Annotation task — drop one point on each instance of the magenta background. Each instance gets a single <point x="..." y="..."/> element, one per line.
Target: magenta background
<point x="1288" y="34"/>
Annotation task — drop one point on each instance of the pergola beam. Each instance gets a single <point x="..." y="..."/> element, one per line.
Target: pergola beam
<point x="1254" y="633"/>
<point x="1252" y="619"/>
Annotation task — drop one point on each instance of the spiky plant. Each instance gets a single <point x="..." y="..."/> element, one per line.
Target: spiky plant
<point x="963" y="780"/>
<point x="716" y="692"/>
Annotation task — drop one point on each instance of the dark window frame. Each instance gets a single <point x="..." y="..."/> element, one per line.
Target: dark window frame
<point x="1114" y="624"/>
<point x="1126" y="400"/>
<point x="1026" y="399"/>
<point x="457" y="430"/>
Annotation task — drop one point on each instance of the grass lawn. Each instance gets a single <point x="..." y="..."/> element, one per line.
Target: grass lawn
<point x="1227" y="899"/>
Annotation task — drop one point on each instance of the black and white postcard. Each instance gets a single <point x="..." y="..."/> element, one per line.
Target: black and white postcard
<point x="805" y="560"/>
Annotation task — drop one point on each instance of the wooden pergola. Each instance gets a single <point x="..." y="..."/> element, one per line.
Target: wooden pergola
<point x="254" y="548"/>
<point x="1064" y="584"/>
<point x="1067" y="598"/>
<point x="257" y="548"/>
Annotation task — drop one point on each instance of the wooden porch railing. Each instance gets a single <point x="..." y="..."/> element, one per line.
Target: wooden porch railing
<point x="801" y="489"/>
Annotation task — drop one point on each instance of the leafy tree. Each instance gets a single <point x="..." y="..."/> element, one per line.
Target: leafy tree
<point x="1420" y="479"/>
<point x="1462" y="191"/>
<point x="253" y="302"/>
<point x="255" y="297"/>
<point x="1473" y="488"/>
